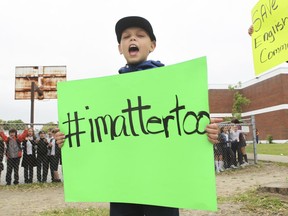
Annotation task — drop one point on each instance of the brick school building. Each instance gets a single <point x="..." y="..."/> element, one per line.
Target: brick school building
<point x="268" y="94"/>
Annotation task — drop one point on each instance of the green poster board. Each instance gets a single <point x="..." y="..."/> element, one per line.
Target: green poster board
<point x="269" y="39"/>
<point x="139" y="138"/>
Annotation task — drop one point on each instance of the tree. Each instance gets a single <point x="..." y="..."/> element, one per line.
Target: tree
<point x="48" y="126"/>
<point x="17" y="124"/>
<point x="239" y="101"/>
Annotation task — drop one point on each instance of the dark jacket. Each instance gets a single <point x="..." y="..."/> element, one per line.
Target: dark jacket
<point x="42" y="147"/>
<point x="224" y="142"/>
<point x="141" y="66"/>
<point x="29" y="159"/>
<point x="2" y="149"/>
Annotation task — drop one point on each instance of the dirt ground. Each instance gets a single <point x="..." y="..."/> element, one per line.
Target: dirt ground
<point x="27" y="201"/>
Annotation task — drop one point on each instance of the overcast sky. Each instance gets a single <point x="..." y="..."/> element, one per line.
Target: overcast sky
<point x="80" y="35"/>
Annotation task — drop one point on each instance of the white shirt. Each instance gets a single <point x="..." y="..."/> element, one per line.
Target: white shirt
<point x="52" y="142"/>
<point x="29" y="147"/>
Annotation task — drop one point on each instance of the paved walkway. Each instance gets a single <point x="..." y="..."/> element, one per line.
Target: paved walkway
<point x="273" y="158"/>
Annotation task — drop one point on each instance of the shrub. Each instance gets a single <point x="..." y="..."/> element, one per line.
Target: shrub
<point x="269" y="138"/>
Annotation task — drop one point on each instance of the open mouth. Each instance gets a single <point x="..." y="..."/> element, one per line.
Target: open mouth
<point x="133" y="49"/>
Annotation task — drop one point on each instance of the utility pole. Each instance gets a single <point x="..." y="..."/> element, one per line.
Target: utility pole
<point x="254" y="138"/>
<point x="40" y="93"/>
<point x="32" y="104"/>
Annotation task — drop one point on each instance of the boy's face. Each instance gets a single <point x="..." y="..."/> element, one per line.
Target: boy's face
<point x="135" y="45"/>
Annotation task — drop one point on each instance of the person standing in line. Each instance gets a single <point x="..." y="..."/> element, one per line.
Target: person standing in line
<point x="13" y="153"/>
<point x="53" y="156"/>
<point x="234" y="137"/>
<point x="218" y="156"/>
<point x="242" y="146"/>
<point x="42" y="158"/>
<point x="29" y="156"/>
<point x="228" y="154"/>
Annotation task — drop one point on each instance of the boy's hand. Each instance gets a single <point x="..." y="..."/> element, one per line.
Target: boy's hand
<point x="212" y="130"/>
<point x="59" y="137"/>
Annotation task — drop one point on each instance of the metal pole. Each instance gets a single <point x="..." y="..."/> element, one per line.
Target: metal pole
<point x="254" y="138"/>
<point x="32" y="104"/>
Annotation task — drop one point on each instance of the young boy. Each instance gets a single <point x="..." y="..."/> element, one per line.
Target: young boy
<point x="136" y="41"/>
<point x="13" y="153"/>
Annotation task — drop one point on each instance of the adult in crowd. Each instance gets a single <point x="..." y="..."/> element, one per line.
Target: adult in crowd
<point x="13" y="153"/>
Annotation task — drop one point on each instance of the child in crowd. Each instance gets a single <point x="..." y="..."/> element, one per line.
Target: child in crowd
<point x="13" y="153"/>
<point x="53" y="156"/>
<point x="228" y="154"/>
<point x="136" y="41"/>
<point x="242" y="146"/>
<point x="218" y="156"/>
<point x="234" y="137"/>
<point x="42" y="157"/>
<point x="29" y="156"/>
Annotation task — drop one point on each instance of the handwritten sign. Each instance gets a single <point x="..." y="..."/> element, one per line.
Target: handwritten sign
<point x="139" y="138"/>
<point x="269" y="39"/>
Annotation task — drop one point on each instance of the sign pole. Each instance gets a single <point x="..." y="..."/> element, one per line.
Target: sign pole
<point x="32" y="104"/>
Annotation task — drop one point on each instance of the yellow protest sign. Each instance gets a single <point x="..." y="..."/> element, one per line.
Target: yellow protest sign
<point x="270" y="36"/>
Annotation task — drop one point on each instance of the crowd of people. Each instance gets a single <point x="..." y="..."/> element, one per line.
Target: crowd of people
<point x="230" y="152"/>
<point x="44" y="153"/>
<point x="31" y="151"/>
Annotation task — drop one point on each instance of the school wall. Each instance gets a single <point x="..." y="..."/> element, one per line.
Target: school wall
<point x="267" y="93"/>
<point x="220" y="100"/>
<point x="273" y="123"/>
<point x="269" y="105"/>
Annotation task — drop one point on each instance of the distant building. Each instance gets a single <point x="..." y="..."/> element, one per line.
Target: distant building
<point x="269" y="103"/>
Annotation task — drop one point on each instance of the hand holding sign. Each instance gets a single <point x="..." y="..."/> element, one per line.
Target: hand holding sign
<point x="59" y="137"/>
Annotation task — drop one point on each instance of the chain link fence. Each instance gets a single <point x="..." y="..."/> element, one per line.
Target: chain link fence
<point x="29" y="154"/>
<point x="34" y="155"/>
<point x="230" y="152"/>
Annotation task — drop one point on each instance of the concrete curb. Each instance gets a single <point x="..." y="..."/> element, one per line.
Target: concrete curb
<point x="273" y="158"/>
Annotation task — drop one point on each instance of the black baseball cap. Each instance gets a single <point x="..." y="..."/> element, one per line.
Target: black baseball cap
<point x="133" y="21"/>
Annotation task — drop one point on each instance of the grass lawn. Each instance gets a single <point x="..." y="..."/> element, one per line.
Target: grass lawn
<point x="272" y="149"/>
